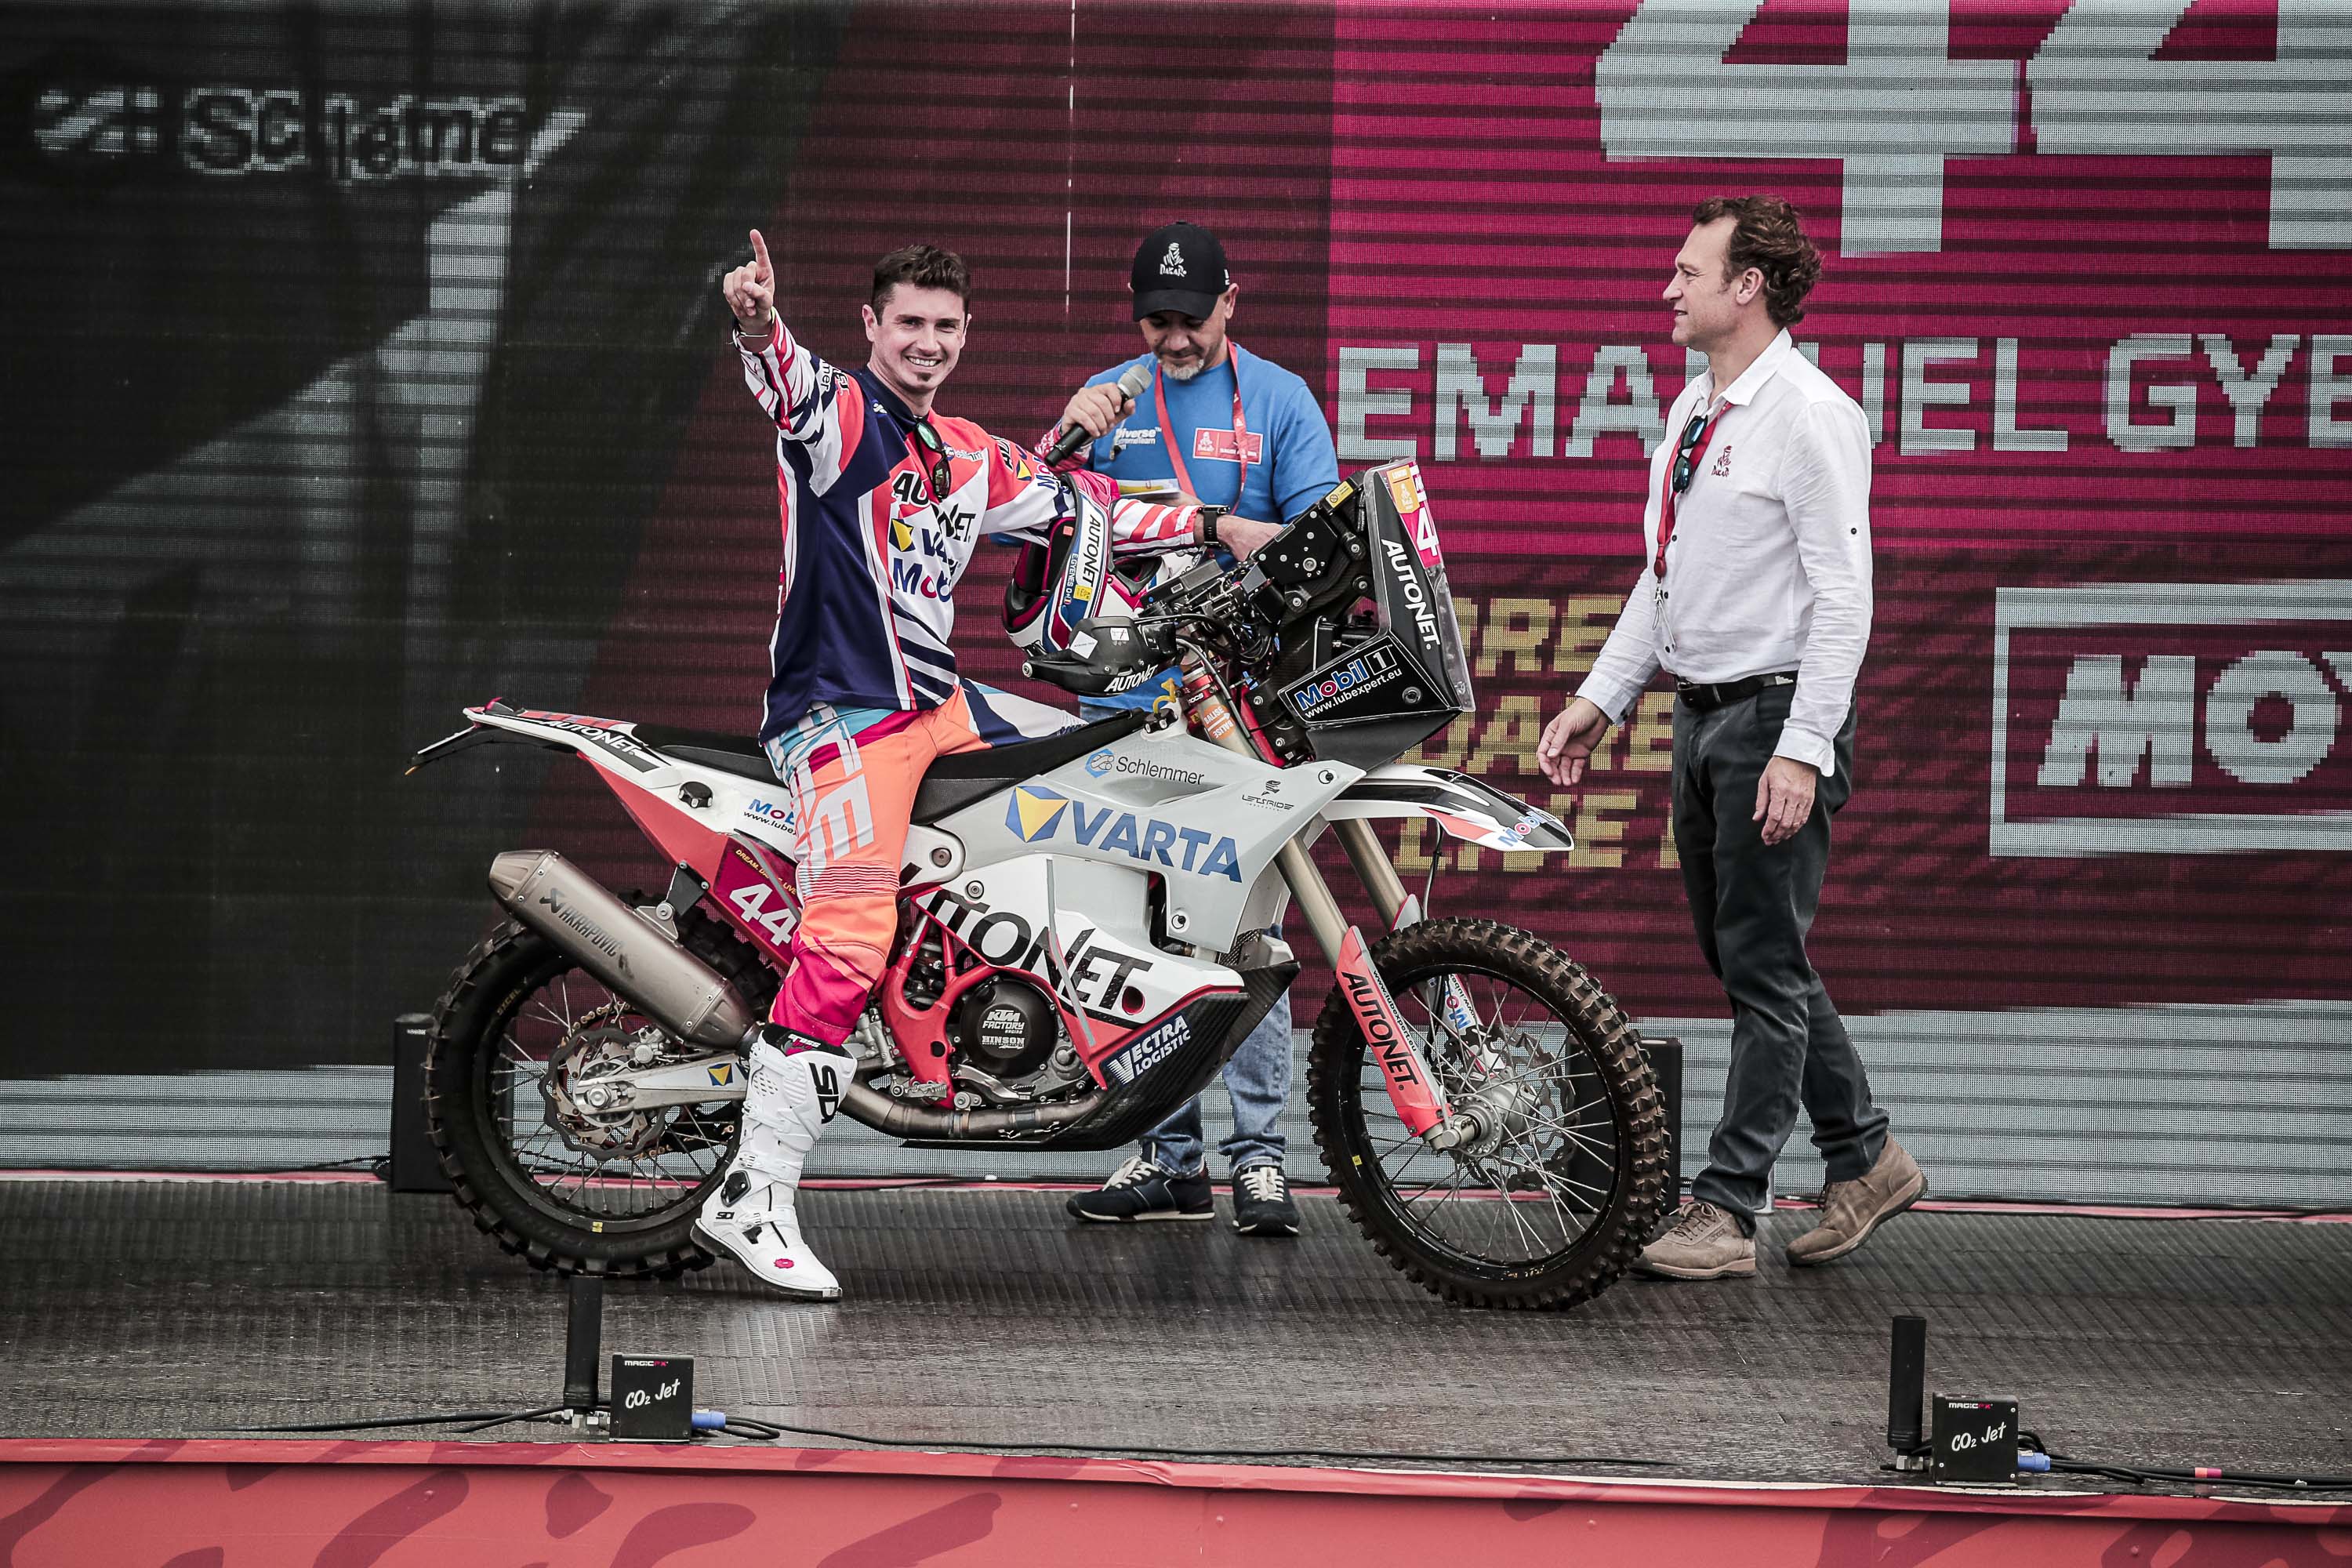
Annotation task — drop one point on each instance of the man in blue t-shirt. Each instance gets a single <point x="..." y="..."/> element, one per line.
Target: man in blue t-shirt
<point x="1242" y="433"/>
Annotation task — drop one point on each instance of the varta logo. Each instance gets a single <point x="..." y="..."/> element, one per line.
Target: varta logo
<point x="1034" y="812"/>
<point x="1037" y="815"/>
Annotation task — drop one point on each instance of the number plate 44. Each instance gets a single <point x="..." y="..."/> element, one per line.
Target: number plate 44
<point x="752" y="893"/>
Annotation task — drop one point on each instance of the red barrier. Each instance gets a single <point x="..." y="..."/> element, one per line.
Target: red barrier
<point x="249" y="1504"/>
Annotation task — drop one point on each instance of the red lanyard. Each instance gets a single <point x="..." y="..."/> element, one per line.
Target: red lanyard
<point x="1175" y="448"/>
<point x="1668" y="493"/>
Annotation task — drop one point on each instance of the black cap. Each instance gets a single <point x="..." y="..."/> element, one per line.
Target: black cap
<point x="1181" y="267"/>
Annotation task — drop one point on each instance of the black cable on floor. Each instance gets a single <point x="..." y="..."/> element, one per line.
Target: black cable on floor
<point x="773" y="1429"/>
<point x="750" y="1429"/>
<point x="485" y="1418"/>
<point x="2029" y="1442"/>
<point x="521" y="1415"/>
<point x="2202" y="1474"/>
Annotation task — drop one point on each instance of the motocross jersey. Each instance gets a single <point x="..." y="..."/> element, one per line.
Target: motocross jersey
<point x="874" y="542"/>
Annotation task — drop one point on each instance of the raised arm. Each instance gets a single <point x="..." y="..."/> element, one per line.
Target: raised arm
<point x="812" y="403"/>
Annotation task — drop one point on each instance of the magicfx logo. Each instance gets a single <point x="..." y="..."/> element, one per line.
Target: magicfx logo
<point x="1037" y="816"/>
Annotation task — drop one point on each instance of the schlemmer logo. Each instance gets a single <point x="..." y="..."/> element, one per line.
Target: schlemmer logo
<point x="1374" y="667"/>
<point x="92" y="124"/>
<point x="1035" y="815"/>
<point x="2172" y="717"/>
<point x="1107" y="761"/>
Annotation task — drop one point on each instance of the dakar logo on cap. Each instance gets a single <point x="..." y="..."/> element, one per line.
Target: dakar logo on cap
<point x="1172" y="264"/>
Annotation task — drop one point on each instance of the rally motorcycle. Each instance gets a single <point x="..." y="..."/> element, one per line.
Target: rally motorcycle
<point x="1086" y="932"/>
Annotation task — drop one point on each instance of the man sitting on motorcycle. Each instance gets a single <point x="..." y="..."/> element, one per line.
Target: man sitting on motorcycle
<point x="882" y="503"/>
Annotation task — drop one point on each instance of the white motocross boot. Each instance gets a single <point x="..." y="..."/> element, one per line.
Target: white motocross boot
<point x="750" y="1217"/>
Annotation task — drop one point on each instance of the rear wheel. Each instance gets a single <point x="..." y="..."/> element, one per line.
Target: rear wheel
<point x="518" y="1035"/>
<point x="1551" y="1201"/>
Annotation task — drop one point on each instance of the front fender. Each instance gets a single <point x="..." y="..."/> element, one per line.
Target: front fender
<point x="1467" y="807"/>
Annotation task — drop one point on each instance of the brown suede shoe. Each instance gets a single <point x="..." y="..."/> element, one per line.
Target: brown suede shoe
<point x="1851" y="1210"/>
<point x="1706" y="1243"/>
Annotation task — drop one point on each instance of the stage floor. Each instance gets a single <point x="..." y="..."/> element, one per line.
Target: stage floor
<point x="984" y="1315"/>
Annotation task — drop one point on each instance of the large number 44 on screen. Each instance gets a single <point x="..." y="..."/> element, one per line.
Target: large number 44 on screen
<point x="1901" y="105"/>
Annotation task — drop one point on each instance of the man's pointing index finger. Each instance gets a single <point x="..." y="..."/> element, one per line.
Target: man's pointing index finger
<point x="760" y="256"/>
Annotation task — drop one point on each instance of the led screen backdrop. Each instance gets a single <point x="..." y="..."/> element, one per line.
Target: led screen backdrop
<point x="365" y="362"/>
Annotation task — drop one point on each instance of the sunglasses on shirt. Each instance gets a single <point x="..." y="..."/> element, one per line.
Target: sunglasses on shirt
<point x="941" y="476"/>
<point x="1686" y="451"/>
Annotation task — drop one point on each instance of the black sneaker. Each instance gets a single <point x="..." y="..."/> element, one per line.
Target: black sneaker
<point x="1141" y="1189"/>
<point x="1262" y="1205"/>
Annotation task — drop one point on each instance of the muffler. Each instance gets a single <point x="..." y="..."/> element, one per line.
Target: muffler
<point x="620" y="947"/>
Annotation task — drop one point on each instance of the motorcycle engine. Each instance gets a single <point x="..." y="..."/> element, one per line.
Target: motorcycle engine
<point x="1008" y="1040"/>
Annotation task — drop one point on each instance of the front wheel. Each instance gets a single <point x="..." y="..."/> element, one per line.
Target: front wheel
<point x="1553" y="1198"/>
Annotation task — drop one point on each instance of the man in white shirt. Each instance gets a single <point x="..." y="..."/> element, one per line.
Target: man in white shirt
<point x="1755" y="596"/>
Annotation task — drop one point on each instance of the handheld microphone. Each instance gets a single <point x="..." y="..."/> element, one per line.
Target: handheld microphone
<point x="1137" y="378"/>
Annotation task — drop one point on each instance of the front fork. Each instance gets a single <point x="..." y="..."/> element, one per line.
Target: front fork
<point x="1420" y="1100"/>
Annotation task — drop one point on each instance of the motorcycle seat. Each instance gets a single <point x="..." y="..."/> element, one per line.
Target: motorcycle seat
<point x="736" y="754"/>
<point x="953" y="783"/>
<point x="949" y="785"/>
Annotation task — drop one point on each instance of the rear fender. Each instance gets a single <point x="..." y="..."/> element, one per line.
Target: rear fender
<point x="690" y="812"/>
<point x="1467" y="807"/>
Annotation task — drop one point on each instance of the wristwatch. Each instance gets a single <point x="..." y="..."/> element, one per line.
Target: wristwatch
<point x="1209" y="516"/>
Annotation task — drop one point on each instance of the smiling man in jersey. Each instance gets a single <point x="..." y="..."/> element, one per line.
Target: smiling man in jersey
<point x="882" y="503"/>
<point x="1240" y="433"/>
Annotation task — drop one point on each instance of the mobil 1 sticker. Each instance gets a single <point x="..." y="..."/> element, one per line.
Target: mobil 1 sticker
<point x="1324" y="692"/>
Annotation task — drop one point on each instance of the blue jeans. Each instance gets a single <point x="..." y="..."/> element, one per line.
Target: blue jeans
<point x="1257" y="1082"/>
<point x="1257" y="1079"/>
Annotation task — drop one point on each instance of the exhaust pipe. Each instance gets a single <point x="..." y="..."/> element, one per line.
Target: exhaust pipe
<point x="692" y="1000"/>
<point x="930" y="1123"/>
<point x="620" y="947"/>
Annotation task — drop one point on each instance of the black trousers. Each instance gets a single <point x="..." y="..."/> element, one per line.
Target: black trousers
<point x="1752" y="905"/>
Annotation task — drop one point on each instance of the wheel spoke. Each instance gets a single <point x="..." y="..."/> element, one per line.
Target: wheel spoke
<point x="642" y="1167"/>
<point x="1544" y="1140"/>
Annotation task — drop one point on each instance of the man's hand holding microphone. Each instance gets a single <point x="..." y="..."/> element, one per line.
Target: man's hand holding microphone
<point x="1094" y="410"/>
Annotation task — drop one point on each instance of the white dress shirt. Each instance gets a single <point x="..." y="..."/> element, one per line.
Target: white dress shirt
<point x="1768" y="568"/>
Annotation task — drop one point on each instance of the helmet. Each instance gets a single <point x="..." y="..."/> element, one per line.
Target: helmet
<point x="1072" y="578"/>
